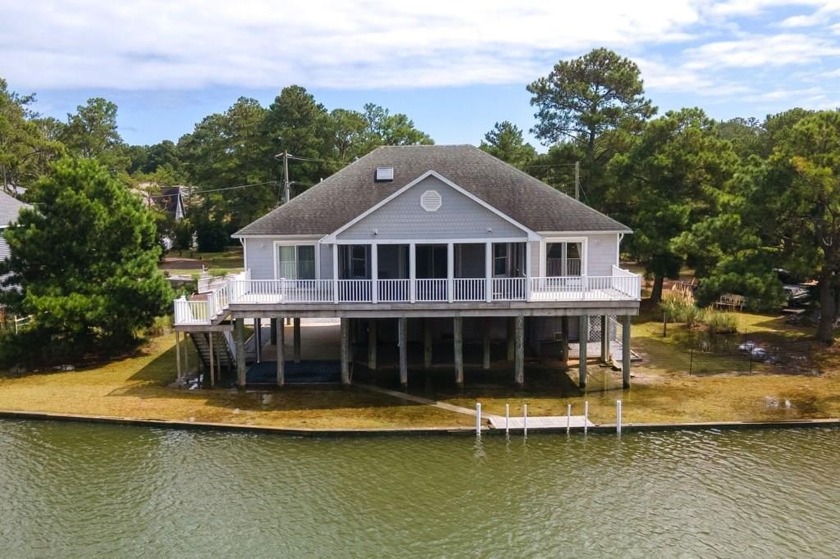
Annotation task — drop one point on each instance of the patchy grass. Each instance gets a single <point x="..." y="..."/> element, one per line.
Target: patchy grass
<point x="190" y="263"/>
<point x="137" y="387"/>
<point x="662" y="389"/>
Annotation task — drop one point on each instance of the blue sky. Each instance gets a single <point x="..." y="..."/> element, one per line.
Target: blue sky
<point x="454" y="68"/>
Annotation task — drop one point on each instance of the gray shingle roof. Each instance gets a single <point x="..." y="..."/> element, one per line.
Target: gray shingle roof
<point x="9" y="209"/>
<point x="350" y="192"/>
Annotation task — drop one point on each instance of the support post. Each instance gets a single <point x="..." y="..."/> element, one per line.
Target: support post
<point x="178" y="352"/>
<point x="519" y="361"/>
<point x="273" y="335"/>
<point x="564" y="342"/>
<point x="239" y="335"/>
<point x="297" y="339"/>
<point x="372" y="340"/>
<point x="427" y="344"/>
<point x="258" y="339"/>
<point x="187" y="355"/>
<point x="345" y="351"/>
<point x="403" y="341"/>
<point x="212" y="360"/>
<point x="280" y="336"/>
<point x="625" y="351"/>
<point x="583" y="336"/>
<point x="458" y="340"/>
<point x="511" y="339"/>
<point x="605" y="339"/>
<point x="486" y="323"/>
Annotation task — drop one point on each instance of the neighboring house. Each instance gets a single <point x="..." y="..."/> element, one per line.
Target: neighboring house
<point x="9" y="209"/>
<point x="171" y="201"/>
<point x="425" y="245"/>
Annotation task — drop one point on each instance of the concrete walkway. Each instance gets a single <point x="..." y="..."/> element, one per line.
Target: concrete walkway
<point x="416" y="399"/>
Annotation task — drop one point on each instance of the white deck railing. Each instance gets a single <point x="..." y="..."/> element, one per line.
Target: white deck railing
<point x="241" y="289"/>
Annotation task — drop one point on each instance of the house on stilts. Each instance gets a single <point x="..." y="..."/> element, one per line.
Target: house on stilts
<point x="425" y="245"/>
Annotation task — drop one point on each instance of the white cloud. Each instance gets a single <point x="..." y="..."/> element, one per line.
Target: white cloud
<point x="760" y="51"/>
<point x="191" y="43"/>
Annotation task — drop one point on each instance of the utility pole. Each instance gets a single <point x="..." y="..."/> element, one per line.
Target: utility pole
<point x="577" y="180"/>
<point x="286" y="185"/>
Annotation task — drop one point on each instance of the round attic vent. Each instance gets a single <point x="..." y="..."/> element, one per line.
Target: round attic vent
<point x="431" y="201"/>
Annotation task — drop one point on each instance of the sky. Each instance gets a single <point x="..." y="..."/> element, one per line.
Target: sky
<point x="455" y="68"/>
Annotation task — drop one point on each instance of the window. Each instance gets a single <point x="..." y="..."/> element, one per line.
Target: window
<point x="296" y="261"/>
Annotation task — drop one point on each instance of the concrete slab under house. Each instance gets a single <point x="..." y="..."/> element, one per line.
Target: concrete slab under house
<point x="430" y="258"/>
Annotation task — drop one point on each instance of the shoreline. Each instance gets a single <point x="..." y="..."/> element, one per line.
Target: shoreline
<point x="605" y="428"/>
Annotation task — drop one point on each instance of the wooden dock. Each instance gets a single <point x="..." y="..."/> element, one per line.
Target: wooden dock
<point x="546" y="422"/>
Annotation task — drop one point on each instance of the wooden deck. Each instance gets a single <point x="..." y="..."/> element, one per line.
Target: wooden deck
<point x="536" y="423"/>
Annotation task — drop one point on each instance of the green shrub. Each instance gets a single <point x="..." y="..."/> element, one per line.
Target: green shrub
<point x="721" y="322"/>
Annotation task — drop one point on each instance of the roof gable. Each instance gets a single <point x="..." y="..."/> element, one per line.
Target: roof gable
<point x="448" y="211"/>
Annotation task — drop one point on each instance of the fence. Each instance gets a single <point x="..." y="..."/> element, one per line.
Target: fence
<point x="745" y="354"/>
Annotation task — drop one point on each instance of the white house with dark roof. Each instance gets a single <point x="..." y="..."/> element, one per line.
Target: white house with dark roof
<point x="9" y="209"/>
<point x="429" y="245"/>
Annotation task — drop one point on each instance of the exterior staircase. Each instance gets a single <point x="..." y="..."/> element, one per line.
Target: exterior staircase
<point x="224" y="356"/>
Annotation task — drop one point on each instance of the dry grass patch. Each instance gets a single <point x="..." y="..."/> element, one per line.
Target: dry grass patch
<point x="137" y="387"/>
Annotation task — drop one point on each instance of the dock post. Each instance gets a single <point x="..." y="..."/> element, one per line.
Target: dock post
<point x="618" y="417"/>
<point x="507" y="419"/>
<point x="478" y="419"/>
<point x="585" y="417"/>
<point x="525" y="419"/>
<point x="568" y="418"/>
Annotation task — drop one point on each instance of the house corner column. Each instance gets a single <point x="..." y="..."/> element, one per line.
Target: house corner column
<point x="239" y="339"/>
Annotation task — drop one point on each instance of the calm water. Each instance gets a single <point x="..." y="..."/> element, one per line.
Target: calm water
<point x="92" y="491"/>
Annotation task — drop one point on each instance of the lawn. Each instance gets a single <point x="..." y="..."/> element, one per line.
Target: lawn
<point x="662" y="391"/>
<point x="190" y="263"/>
